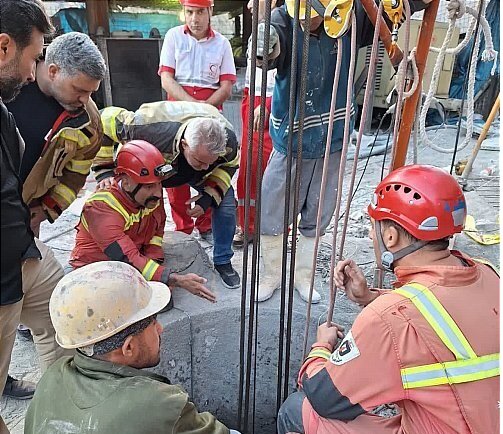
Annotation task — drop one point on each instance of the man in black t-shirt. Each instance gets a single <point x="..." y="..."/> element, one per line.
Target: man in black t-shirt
<point x="60" y="125"/>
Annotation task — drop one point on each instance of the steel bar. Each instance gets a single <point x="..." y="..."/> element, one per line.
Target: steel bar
<point x="286" y="219"/>
<point x="244" y="278"/>
<point x="298" y="172"/>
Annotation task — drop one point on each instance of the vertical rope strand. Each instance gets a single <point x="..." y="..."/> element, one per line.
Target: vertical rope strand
<point x="370" y="80"/>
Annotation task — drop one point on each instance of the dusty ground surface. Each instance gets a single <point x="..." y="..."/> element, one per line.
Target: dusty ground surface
<point x="483" y="204"/>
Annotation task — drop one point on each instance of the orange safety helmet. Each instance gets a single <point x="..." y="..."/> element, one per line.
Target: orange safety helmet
<point x="197" y="3"/>
<point x="426" y="201"/>
<point x="142" y="161"/>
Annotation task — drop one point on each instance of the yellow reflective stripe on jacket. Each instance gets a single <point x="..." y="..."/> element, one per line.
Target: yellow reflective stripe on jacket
<point x="468" y="366"/>
<point x="319" y="352"/>
<point x="112" y="202"/>
<point x="79" y="166"/>
<point x="234" y="162"/>
<point x="459" y="371"/>
<point x="489" y="264"/>
<point x="149" y="269"/>
<point x="84" y="222"/>
<point x="106" y="152"/>
<point x="108" y="119"/>
<point x="221" y="175"/>
<point x="74" y="135"/>
<point x="66" y="193"/>
<point x="439" y="319"/>
<point x="156" y="241"/>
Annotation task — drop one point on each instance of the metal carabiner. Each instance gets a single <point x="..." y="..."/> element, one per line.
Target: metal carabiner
<point x="394" y="11"/>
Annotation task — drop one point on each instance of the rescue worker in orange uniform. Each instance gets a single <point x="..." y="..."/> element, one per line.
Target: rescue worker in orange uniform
<point x="126" y="222"/>
<point x="431" y="345"/>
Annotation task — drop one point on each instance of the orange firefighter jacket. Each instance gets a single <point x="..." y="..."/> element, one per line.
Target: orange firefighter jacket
<point x="64" y="165"/>
<point x="389" y="339"/>
<point x="113" y="228"/>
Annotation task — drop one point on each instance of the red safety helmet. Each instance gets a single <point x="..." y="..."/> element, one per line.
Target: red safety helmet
<point x="197" y="3"/>
<point x="426" y="201"/>
<point x="142" y="161"/>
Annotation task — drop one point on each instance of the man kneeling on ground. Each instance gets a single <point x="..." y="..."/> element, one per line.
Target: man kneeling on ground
<point x="107" y="310"/>
<point x="202" y="149"/>
<point x="126" y="222"/>
<point x="431" y="345"/>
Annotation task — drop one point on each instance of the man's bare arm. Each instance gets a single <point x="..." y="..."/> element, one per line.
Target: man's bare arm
<point x="221" y="95"/>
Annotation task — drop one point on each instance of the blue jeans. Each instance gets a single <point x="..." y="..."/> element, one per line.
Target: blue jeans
<point x="290" y="415"/>
<point x="223" y="225"/>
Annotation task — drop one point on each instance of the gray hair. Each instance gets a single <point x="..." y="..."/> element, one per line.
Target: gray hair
<point x="75" y="53"/>
<point x="207" y="132"/>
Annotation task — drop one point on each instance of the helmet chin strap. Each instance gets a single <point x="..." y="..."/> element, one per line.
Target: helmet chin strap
<point x="132" y="194"/>
<point x="388" y="258"/>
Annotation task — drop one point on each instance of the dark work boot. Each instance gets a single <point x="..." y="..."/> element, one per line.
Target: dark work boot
<point x="18" y="389"/>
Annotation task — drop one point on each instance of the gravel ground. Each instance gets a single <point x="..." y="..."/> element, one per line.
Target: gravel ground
<point x="483" y="203"/>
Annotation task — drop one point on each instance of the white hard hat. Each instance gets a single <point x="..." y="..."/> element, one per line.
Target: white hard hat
<point x="98" y="300"/>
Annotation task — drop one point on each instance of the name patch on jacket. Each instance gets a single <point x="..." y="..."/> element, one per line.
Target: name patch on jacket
<point x="346" y="351"/>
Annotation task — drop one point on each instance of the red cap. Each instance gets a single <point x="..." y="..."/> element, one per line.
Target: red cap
<point x="197" y="3"/>
<point x="142" y="161"/>
<point x="426" y="201"/>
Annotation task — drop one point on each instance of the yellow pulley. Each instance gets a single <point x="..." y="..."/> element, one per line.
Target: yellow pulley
<point x="337" y="17"/>
<point x="394" y="10"/>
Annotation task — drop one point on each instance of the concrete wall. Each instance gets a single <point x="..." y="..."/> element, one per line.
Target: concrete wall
<point x="200" y="341"/>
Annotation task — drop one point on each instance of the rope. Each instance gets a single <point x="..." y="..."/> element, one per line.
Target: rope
<point x="370" y="79"/>
<point x="412" y="64"/>
<point x="488" y="54"/>
<point x="286" y="222"/>
<point x="400" y="80"/>
<point x="324" y="177"/>
<point x="471" y="89"/>
<point x="416" y="133"/>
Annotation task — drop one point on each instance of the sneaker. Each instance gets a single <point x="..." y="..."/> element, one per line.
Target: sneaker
<point x="207" y="236"/>
<point x="229" y="276"/>
<point x="18" y="389"/>
<point x="24" y="333"/>
<point x="239" y="238"/>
